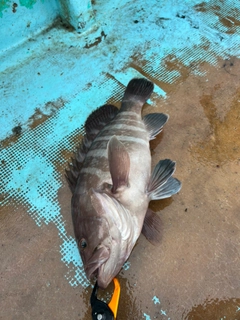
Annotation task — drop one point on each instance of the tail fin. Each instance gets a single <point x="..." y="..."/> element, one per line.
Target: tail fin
<point x="137" y="93"/>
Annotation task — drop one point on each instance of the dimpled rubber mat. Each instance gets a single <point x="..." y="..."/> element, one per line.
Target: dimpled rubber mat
<point x="190" y="50"/>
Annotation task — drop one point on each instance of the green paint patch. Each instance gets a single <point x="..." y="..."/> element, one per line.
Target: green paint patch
<point x="4" y="4"/>
<point x="27" y="3"/>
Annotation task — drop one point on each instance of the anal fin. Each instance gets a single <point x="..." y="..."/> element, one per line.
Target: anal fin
<point x="162" y="185"/>
<point x="152" y="227"/>
<point x="172" y="186"/>
<point x="154" y="123"/>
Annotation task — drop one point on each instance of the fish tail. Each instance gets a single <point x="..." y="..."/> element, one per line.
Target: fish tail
<point x="137" y="93"/>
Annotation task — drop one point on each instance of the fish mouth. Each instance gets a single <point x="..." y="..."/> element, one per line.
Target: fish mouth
<point x="99" y="257"/>
<point x="103" y="279"/>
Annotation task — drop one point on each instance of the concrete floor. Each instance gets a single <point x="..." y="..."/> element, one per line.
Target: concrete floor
<point x="194" y="273"/>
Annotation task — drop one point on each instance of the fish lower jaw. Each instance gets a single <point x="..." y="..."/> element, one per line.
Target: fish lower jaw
<point x="92" y="274"/>
<point x="103" y="278"/>
<point x="103" y="284"/>
<point x="97" y="261"/>
<point x="92" y="271"/>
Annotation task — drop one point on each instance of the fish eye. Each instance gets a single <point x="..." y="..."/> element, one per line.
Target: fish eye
<point x="82" y="244"/>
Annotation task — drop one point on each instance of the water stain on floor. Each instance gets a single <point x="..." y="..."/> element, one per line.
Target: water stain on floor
<point x="215" y="309"/>
<point x="223" y="144"/>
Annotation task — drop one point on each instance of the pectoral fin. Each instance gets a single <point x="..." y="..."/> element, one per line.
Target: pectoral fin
<point x="162" y="185"/>
<point x="152" y="227"/>
<point x="154" y="123"/>
<point x="119" y="163"/>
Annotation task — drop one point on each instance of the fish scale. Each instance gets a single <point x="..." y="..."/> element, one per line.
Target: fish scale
<point x="112" y="184"/>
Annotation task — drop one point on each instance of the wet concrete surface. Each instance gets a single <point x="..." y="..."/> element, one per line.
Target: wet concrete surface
<point x="199" y="256"/>
<point x="194" y="273"/>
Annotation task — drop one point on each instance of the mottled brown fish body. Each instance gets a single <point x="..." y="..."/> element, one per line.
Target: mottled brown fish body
<point x="112" y="183"/>
<point x="129" y="129"/>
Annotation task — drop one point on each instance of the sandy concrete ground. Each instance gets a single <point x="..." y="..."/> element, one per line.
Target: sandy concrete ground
<point x="194" y="273"/>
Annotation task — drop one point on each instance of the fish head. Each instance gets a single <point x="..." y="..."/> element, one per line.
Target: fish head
<point x="94" y="243"/>
<point x="100" y="242"/>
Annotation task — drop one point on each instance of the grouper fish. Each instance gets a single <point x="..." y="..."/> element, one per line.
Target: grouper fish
<point x="112" y="184"/>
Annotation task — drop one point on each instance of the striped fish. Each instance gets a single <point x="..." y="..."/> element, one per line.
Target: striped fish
<point x="112" y="185"/>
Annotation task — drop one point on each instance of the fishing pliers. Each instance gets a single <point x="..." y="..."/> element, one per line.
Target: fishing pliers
<point x="102" y="310"/>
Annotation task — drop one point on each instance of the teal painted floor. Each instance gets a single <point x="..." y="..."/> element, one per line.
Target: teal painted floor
<point x="48" y="87"/>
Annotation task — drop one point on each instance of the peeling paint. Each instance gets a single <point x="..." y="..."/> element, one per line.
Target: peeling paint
<point x="4" y="4"/>
<point x="27" y="3"/>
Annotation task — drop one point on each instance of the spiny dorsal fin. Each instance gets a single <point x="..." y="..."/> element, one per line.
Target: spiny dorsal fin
<point x="152" y="227"/>
<point x="136" y="94"/>
<point x="98" y="119"/>
<point x="154" y="123"/>
<point x="71" y="176"/>
<point x="93" y="125"/>
<point x="77" y="161"/>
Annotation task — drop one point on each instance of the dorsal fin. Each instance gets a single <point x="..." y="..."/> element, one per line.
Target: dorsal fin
<point x="97" y="120"/>
<point x="77" y="162"/>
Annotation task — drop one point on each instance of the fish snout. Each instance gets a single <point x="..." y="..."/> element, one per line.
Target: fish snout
<point x="103" y="282"/>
